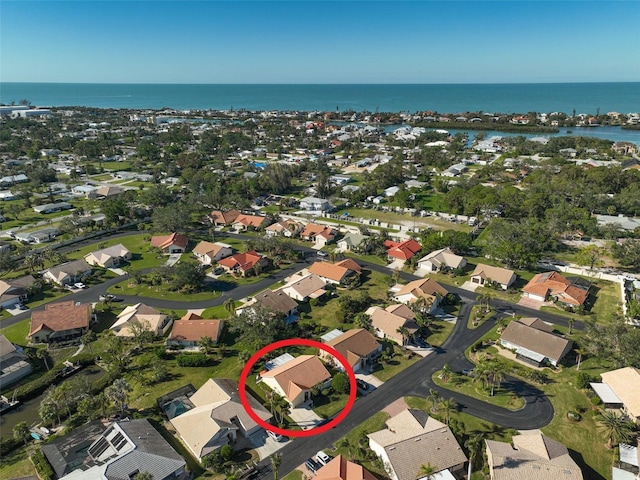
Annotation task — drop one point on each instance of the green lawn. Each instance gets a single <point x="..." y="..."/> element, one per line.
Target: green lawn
<point x="439" y="331"/>
<point x="295" y="475"/>
<point x="17" y="332"/>
<point x="607" y="302"/>
<point x="400" y="360"/>
<point x="464" y="384"/>
<point x="327" y="407"/>
<point x="215" y="312"/>
<point x="16" y="465"/>
<point x="163" y="291"/>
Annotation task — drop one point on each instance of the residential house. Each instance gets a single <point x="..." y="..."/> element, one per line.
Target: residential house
<point x="358" y="346"/>
<point x="157" y="322"/>
<point x="620" y="388"/>
<point x="190" y="329"/>
<point x="208" y="253"/>
<point x="386" y="322"/>
<point x="425" y="290"/>
<point x="295" y="379"/>
<point x="351" y="241"/>
<point x="534" y="343"/>
<point x="621" y="221"/>
<point x="244" y="263"/>
<point x="443" y="259"/>
<point x="11" y="180"/>
<point x="304" y="288"/>
<point x="339" y="468"/>
<point x="68" y="272"/>
<point x="532" y="456"/>
<point x="107" y="191"/>
<point x="244" y="222"/>
<point x="314" y="204"/>
<point x="52" y="207"/>
<point x="110" y="257"/>
<point x="402" y="250"/>
<point x="553" y="285"/>
<point x="484" y="274"/>
<point x="121" y="451"/>
<point x="275" y="301"/>
<point x="174" y="243"/>
<point x="84" y="190"/>
<point x="335" y="273"/>
<point x="60" y="322"/>
<point x="223" y="219"/>
<point x="13" y="363"/>
<point x="320" y="234"/>
<point x="412" y="439"/>
<point x="15" y="290"/>
<point x="284" y="228"/>
<point x="214" y="417"/>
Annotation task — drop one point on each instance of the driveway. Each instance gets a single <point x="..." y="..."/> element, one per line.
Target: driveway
<point x="265" y="445"/>
<point x="173" y="259"/>
<point x="305" y="417"/>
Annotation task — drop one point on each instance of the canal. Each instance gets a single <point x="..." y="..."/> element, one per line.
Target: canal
<point x="28" y="411"/>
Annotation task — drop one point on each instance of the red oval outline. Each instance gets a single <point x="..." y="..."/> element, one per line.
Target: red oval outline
<point x="307" y="343"/>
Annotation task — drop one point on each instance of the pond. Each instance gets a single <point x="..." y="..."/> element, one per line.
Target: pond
<point x="28" y="411"/>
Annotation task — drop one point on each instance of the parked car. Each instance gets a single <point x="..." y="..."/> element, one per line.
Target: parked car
<point x="322" y="254"/>
<point x="20" y="306"/>
<point x="312" y="465"/>
<point x="418" y="342"/>
<point x="323" y="458"/>
<point x="79" y="285"/>
<point x="276" y="436"/>
<point x="362" y="384"/>
<point x="107" y="297"/>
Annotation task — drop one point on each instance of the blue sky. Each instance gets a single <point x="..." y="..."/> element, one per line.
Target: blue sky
<point x="319" y="41"/>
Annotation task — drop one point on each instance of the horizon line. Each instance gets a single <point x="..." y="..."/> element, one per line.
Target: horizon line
<point x="326" y="84"/>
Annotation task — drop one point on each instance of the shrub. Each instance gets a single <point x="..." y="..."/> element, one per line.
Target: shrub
<point x="192" y="360"/>
<point x="596" y="401"/>
<point x="340" y="382"/>
<point x="583" y="379"/>
<point x="42" y="466"/>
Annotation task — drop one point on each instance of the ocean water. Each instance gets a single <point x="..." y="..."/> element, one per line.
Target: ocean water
<point x="504" y="98"/>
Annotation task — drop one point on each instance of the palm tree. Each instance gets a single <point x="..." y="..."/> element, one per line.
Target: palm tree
<point x="616" y="428"/>
<point x="433" y="398"/>
<point x="445" y="374"/>
<point x="118" y="393"/>
<point x="276" y="460"/>
<point x="580" y="352"/>
<point x="482" y="373"/>
<point x="448" y="407"/>
<point x="473" y="444"/>
<point x="571" y="322"/>
<point x="497" y="372"/>
<point x="21" y="432"/>
<point x="206" y="344"/>
<point x="230" y="305"/>
<point x="43" y="355"/>
<point x="362" y="320"/>
<point x="426" y="472"/>
<point x="404" y="331"/>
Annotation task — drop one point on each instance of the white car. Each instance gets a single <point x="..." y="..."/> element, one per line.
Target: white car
<point x="276" y="436"/>
<point x="79" y="285"/>
<point x="323" y="458"/>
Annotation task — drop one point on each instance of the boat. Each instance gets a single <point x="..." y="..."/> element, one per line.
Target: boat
<point x="6" y="404"/>
<point x="36" y="436"/>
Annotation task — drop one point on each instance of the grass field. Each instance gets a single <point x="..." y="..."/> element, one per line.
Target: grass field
<point x="16" y="465"/>
<point x="464" y="384"/>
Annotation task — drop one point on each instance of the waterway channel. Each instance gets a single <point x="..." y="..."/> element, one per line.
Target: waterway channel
<point x="28" y="411"/>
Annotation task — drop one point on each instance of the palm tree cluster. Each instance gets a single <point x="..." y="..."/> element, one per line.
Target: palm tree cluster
<point x="616" y="428"/>
<point x="489" y="373"/>
<point x="278" y="406"/>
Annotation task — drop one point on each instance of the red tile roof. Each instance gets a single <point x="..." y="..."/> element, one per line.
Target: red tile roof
<point x="403" y="250"/>
<point x="193" y="330"/>
<point x="243" y="261"/>
<point x="61" y="316"/>
<point x="224" y="218"/>
<point x="164" y="241"/>
<point x="552" y="283"/>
